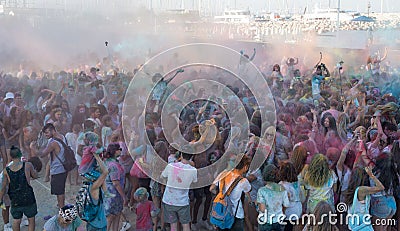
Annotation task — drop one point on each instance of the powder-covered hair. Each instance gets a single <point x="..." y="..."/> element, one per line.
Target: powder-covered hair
<point x="318" y="172"/>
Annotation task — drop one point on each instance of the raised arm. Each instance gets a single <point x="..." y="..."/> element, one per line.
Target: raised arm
<point x="254" y="55"/>
<point x="104" y="172"/>
<point x="379" y="125"/>
<point x="385" y="54"/>
<point x="365" y="190"/>
<point x="103" y="100"/>
<point x="327" y="74"/>
<point x="365" y="158"/>
<point x="342" y="158"/>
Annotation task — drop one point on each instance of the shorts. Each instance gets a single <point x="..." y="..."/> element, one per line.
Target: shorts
<point x="29" y="211"/>
<point x="58" y="183"/>
<point x="174" y="213"/>
<point x="383" y="206"/>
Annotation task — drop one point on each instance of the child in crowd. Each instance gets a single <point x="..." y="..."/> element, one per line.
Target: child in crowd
<point x="146" y="211"/>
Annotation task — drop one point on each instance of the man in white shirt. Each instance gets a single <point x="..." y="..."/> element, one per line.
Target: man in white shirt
<point x="175" y="201"/>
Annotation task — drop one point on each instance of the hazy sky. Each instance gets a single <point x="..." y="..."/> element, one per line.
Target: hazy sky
<point x="218" y="5"/>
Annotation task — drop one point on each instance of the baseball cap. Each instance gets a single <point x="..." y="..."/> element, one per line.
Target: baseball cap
<point x="9" y="95"/>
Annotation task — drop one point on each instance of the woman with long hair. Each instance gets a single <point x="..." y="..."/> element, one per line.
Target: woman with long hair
<point x="299" y="158"/>
<point x="67" y="113"/>
<point x="322" y="213"/>
<point x="358" y="197"/>
<point x="319" y="182"/>
<point x="81" y="113"/>
<point x="383" y="204"/>
<point x="54" y="116"/>
<point x="396" y="158"/>
<point x="115" y="182"/>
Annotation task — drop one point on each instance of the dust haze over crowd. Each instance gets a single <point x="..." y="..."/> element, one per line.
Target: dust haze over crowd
<point x="57" y="40"/>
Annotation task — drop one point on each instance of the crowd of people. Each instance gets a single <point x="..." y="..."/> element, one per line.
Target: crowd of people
<point x="335" y="140"/>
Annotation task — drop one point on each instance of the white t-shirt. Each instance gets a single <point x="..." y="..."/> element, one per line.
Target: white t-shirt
<point x="294" y="191"/>
<point x="346" y="178"/>
<point x="243" y="186"/>
<point x="180" y="177"/>
<point x="274" y="197"/>
<point x="72" y="140"/>
<point x="79" y="141"/>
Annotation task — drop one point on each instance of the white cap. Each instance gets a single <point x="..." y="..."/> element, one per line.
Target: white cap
<point x="9" y="95"/>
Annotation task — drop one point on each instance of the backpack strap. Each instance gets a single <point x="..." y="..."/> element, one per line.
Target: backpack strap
<point x="232" y="186"/>
<point x="64" y="146"/>
<point x="60" y="141"/>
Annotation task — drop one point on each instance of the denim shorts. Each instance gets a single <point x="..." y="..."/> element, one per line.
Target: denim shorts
<point x="383" y="206"/>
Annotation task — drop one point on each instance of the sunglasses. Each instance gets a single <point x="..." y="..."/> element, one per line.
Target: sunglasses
<point x="269" y="134"/>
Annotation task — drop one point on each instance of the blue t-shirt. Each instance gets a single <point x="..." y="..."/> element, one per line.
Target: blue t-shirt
<point x="100" y="221"/>
<point x="315" y="83"/>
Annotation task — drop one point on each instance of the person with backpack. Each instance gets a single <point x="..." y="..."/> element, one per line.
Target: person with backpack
<point x="55" y="149"/>
<point x="17" y="177"/>
<point x="231" y="185"/>
<point x="92" y="210"/>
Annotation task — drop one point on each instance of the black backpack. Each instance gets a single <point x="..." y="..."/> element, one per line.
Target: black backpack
<point x="69" y="156"/>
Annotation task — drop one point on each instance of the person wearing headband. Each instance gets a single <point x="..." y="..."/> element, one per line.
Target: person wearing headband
<point x="66" y="219"/>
